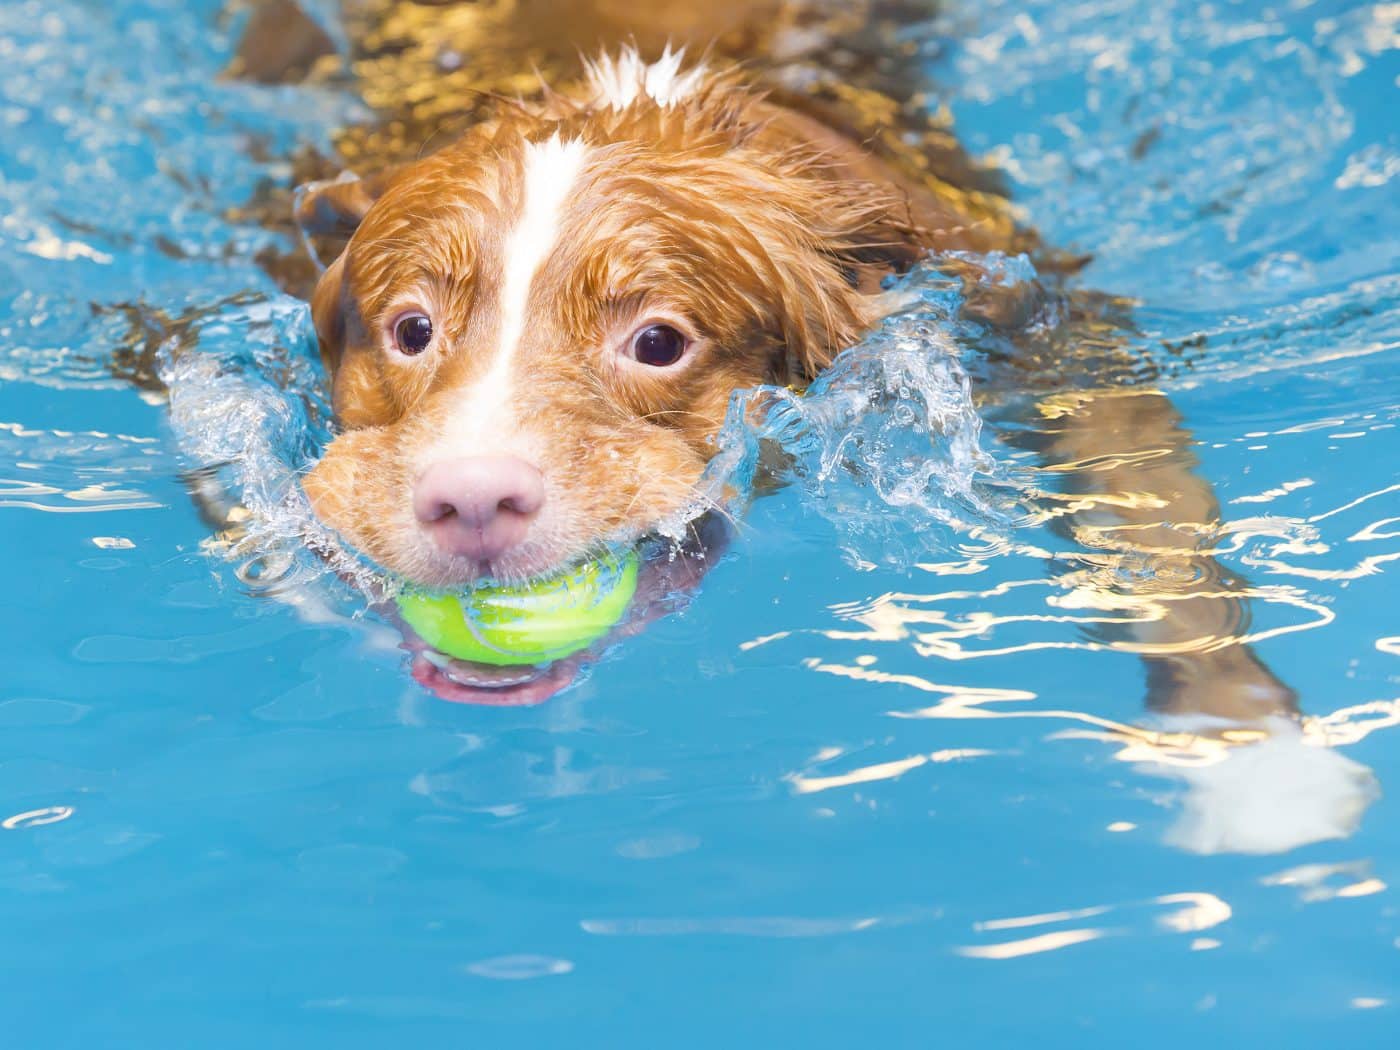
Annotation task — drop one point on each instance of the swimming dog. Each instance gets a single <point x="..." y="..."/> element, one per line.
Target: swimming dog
<point x="557" y="266"/>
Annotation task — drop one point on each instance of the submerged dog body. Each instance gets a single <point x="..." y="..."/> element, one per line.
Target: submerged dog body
<point x="535" y="332"/>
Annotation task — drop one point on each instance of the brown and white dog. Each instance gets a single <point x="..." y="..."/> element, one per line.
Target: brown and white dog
<point x="535" y="331"/>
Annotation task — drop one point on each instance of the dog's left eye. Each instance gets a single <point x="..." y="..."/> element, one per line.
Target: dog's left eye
<point x="658" y="345"/>
<point x="412" y="334"/>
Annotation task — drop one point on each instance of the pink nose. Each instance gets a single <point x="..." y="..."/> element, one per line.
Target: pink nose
<point x="478" y="507"/>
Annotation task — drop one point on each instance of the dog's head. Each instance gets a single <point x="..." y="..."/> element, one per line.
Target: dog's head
<point x="534" y="333"/>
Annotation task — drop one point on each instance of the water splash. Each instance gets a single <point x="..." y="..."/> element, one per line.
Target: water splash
<point x="249" y="410"/>
<point x="887" y="443"/>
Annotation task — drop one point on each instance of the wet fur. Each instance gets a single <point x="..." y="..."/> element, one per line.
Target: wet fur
<point x="745" y="223"/>
<point x="846" y="119"/>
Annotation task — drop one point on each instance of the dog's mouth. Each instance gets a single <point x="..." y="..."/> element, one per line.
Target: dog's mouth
<point x="668" y="576"/>
<point x="465" y="682"/>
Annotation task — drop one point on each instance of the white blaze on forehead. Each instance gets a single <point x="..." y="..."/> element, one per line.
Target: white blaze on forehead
<point x="550" y="171"/>
<point x="619" y="82"/>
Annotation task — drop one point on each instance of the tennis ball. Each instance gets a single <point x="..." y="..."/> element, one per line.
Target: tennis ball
<point x="531" y="624"/>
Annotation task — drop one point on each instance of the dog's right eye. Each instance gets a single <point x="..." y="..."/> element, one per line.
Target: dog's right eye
<point x="413" y="333"/>
<point x="658" y="345"/>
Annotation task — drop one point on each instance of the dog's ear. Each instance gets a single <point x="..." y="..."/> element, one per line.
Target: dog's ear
<point x="850" y="235"/>
<point x="870" y="218"/>
<point x="328" y="213"/>
<point x="357" y="388"/>
<point x="335" y="207"/>
<point x="854" y="226"/>
<point x="328" y="308"/>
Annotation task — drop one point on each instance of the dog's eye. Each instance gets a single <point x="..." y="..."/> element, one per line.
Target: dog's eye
<point x="413" y="333"/>
<point x="658" y="345"/>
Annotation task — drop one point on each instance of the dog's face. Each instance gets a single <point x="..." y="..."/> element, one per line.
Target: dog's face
<point x="535" y="333"/>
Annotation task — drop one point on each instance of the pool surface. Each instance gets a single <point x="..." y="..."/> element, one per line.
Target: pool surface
<point x="891" y="777"/>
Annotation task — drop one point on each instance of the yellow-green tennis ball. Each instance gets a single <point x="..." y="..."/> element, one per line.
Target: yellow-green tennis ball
<point x="530" y="624"/>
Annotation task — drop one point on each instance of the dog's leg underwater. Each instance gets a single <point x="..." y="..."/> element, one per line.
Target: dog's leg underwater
<point x="1131" y="498"/>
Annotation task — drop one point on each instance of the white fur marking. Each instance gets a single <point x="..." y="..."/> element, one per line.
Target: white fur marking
<point x="619" y="82"/>
<point x="551" y="170"/>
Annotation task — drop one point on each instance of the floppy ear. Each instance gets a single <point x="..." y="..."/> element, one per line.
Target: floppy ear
<point x="328" y="213"/>
<point x="851" y="235"/>
<point x="336" y="206"/>
<point x="328" y="313"/>
<point x="859" y="220"/>
<point x="924" y="211"/>
<point x="357" y="390"/>
<point x="869" y="216"/>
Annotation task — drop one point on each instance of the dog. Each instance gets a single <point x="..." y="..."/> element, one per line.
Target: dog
<point x="557" y="268"/>
<point x="535" y="331"/>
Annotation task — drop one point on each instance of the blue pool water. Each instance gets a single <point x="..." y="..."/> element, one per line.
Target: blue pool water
<point x="885" y="779"/>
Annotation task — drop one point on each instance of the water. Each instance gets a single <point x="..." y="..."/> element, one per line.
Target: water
<point x="890" y="776"/>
